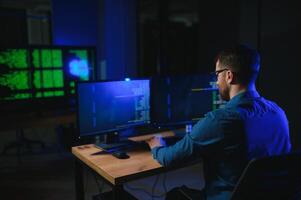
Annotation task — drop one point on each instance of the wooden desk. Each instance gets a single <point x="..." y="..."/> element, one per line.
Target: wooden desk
<point x="116" y="171"/>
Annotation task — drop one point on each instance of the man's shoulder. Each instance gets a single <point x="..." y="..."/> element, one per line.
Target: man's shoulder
<point x="272" y="105"/>
<point x="258" y="107"/>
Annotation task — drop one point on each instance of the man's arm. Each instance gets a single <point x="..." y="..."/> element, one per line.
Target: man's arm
<point x="205" y="132"/>
<point x="166" y="155"/>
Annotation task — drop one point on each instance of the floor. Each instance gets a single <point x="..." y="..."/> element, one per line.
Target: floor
<point x="48" y="173"/>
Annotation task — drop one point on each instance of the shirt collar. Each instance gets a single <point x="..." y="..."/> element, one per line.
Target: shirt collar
<point x="242" y="96"/>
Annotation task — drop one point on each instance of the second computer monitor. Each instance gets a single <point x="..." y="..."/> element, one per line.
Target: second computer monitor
<point x="183" y="99"/>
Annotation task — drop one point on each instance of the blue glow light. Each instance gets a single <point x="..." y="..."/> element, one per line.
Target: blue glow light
<point x="79" y="68"/>
<point x="127" y="79"/>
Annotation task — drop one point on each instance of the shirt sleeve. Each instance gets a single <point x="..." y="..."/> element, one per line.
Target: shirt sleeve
<point x="206" y="132"/>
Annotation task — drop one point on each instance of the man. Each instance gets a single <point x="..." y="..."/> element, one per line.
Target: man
<point x="249" y="126"/>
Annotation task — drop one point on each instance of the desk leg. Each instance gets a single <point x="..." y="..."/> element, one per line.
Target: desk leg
<point x="117" y="192"/>
<point x="79" y="182"/>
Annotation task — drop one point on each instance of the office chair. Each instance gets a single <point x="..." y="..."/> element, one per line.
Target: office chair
<point x="275" y="177"/>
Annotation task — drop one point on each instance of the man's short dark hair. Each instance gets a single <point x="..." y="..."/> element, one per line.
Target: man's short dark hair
<point x="242" y="60"/>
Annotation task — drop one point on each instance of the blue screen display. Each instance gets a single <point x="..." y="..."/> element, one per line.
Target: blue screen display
<point x="112" y="105"/>
<point x="183" y="99"/>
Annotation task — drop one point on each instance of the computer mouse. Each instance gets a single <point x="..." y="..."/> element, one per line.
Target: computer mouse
<point x="120" y="154"/>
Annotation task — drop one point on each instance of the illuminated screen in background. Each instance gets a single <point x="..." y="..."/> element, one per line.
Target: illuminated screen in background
<point x="183" y="99"/>
<point x="37" y="72"/>
<point x="114" y="105"/>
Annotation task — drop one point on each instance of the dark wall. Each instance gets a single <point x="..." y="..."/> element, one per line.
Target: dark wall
<point x="279" y="47"/>
<point x="108" y="25"/>
<point x="169" y="47"/>
<point x="119" y="39"/>
<point x="218" y="28"/>
<point x="74" y="23"/>
<point x="13" y="24"/>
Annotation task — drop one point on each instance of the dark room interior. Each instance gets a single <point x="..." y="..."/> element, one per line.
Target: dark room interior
<point x="78" y="77"/>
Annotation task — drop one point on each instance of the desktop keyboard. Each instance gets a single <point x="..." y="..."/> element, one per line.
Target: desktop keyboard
<point x="122" y="145"/>
<point x="130" y="144"/>
<point x="115" y="146"/>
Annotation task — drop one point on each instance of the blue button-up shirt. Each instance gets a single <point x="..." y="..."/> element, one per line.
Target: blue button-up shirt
<point x="247" y="127"/>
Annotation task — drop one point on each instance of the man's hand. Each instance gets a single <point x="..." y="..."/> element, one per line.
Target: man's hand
<point x="156" y="141"/>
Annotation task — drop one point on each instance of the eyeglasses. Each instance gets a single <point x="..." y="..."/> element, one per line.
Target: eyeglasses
<point x="217" y="72"/>
<point x="220" y="71"/>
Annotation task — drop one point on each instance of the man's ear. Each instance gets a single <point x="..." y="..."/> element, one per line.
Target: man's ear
<point x="230" y="78"/>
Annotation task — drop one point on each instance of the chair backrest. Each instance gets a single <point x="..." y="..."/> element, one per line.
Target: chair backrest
<point x="275" y="177"/>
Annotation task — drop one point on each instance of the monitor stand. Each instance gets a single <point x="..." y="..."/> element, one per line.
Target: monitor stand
<point x="113" y="143"/>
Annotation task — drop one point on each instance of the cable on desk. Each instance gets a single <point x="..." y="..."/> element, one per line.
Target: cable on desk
<point x="146" y="192"/>
<point x="154" y="185"/>
<point x="164" y="182"/>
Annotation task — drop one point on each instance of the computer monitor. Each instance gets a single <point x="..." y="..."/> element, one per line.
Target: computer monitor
<point x="183" y="99"/>
<point x="105" y="107"/>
